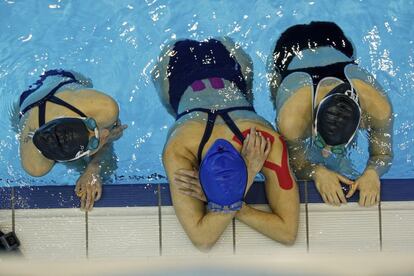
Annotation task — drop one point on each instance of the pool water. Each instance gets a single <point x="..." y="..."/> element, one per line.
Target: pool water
<point x="116" y="43"/>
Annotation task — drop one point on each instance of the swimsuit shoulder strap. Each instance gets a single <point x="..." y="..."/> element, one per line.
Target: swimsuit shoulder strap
<point x="211" y="118"/>
<point x="51" y="96"/>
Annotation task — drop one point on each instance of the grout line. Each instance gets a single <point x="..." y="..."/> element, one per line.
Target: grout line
<point x="234" y="235"/>
<point x="380" y="224"/>
<point x="86" y="235"/>
<point x="307" y="216"/>
<point x="12" y="201"/>
<point x="159" y="219"/>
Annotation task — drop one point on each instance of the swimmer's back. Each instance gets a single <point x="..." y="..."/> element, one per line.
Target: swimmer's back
<point x="185" y="140"/>
<point x="93" y="103"/>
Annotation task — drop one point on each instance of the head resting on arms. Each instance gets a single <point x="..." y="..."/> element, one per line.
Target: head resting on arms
<point x="223" y="176"/>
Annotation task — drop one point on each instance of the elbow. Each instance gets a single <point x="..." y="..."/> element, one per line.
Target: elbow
<point x="35" y="170"/>
<point x="290" y="238"/>
<point x="203" y="244"/>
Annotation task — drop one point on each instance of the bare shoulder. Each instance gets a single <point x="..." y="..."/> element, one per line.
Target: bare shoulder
<point x="102" y="107"/>
<point x="294" y="118"/>
<point x="374" y="103"/>
<point x="182" y="144"/>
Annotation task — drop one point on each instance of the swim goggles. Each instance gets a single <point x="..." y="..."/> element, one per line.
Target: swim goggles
<point x="93" y="143"/>
<point x="321" y="144"/>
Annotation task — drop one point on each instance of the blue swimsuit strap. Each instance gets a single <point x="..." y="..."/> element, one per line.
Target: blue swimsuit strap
<point x="50" y="96"/>
<point x="211" y="118"/>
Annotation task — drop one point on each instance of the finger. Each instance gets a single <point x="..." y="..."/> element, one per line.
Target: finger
<point x="252" y="140"/>
<point x="345" y="180"/>
<point x="263" y="144"/>
<point x="352" y="190"/>
<point x="341" y="196"/>
<point x="187" y="185"/>
<point x="362" y="199"/>
<point x="88" y="201"/>
<point x="192" y="194"/>
<point x="257" y="140"/>
<point x="83" y="201"/>
<point x="98" y="194"/>
<point x="372" y="200"/>
<point x="335" y="199"/>
<point x="268" y="147"/>
<point x="186" y="179"/>
<point x="182" y="184"/>
<point x="77" y="188"/>
<point x="189" y="173"/>
<point x="325" y="199"/>
<point x="246" y="142"/>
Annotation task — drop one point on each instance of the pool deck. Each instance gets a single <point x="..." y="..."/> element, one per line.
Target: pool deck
<point x="138" y="221"/>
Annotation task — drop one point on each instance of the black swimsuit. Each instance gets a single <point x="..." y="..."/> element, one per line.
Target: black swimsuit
<point x="195" y="60"/>
<point x="311" y="36"/>
<point x="50" y="97"/>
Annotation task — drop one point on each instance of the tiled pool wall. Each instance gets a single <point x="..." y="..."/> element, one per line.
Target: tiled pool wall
<point x="133" y="221"/>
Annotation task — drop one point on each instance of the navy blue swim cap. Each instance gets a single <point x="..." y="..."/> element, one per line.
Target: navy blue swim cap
<point x="61" y="139"/>
<point x="223" y="174"/>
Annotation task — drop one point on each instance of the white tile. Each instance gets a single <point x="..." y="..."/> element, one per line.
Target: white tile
<point x="51" y="233"/>
<point x="251" y="242"/>
<point x="6" y="220"/>
<point x="348" y="228"/>
<point x="123" y="232"/>
<point x="397" y="226"/>
<point x="176" y="243"/>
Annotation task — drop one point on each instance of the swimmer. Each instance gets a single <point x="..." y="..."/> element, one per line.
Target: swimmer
<point x="62" y="119"/>
<point x="323" y="98"/>
<point x="218" y="144"/>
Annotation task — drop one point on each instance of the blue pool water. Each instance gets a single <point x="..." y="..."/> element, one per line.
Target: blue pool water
<point x="116" y="43"/>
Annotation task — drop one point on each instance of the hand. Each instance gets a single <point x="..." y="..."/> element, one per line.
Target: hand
<point x="89" y="189"/>
<point x="188" y="184"/>
<point x="255" y="150"/>
<point x="369" y="188"/>
<point x="115" y="132"/>
<point x="328" y="184"/>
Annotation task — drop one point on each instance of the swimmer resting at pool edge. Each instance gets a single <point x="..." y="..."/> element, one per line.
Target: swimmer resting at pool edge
<point x="324" y="99"/>
<point x="62" y="119"/>
<point x="207" y="87"/>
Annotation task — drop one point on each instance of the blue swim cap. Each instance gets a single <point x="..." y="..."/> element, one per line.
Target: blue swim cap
<point x="223" y="174"/>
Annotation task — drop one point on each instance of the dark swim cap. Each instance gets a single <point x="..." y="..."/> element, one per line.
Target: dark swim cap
<point x="338" y="116"/>
<point x="61" y="139"/>
<point x="223" y="174"/>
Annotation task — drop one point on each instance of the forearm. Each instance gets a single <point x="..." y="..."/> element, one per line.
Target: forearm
<point x="303" y="168"/>
<point x="99" y="159"/>
<point x="380" y="163"/>
<point x="380" y="149"/>
<point x="269" y="224"/>
<point x="205" y="231"/>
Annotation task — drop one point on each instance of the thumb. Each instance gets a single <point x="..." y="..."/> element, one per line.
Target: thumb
<point x="352" y="190"/>
<point x="345" y="180"/>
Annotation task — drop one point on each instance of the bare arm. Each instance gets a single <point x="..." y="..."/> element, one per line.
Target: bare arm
<point x="202" y="227"/>
<point x="380" y="146"/>
<point x="282" y="223"/>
